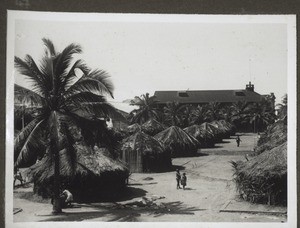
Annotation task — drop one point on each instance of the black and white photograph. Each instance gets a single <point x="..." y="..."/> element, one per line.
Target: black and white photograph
<point x="145" y="118"/>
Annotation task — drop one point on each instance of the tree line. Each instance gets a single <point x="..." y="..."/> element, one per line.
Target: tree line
<point x="241" y="114"/>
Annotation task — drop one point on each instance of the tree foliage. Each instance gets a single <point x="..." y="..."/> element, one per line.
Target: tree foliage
<point x="147" y="109"/>
<point x="63" y="94"/>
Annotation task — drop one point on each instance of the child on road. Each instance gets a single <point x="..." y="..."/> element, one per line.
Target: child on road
<point x="178" y="178"/>
<point x="183" y="181"/>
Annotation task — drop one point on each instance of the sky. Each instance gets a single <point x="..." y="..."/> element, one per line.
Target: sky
<point x="144" y="56"/>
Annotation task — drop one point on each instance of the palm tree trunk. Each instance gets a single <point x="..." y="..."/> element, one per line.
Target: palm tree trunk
<point x="56" y="199"/>
<point x="23" y="122"/>
<point x="54" y="129"/>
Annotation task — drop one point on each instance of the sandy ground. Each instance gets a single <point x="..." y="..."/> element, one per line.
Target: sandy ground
<point x="209" y="190"/>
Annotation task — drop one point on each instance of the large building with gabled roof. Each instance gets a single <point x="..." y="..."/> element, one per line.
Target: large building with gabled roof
<point x="200" y="97"/>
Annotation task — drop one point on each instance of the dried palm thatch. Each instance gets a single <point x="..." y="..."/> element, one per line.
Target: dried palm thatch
<point x="205" y="137"/>
<point x="132" y="129"/>
<point x="225" y="127"/>
<point x="178" y="142"/>
<point x="143" y="153"/>
<point x="93" y="173"/>
<point x="217" y="135"/>
<point x="263" y="179"/>
<point x="275" y="135"/>
<point x="152" y="127"/>
<point x="224" y="130"/>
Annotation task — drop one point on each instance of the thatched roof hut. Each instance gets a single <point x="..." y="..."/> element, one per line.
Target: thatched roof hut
<point x="275" y="135"/>
<point x="143" y="153"/>
<point x="178" y="142"/>
<point x="263" y="179"/>
<point x="212" y="130"/>
<point x="152" y="127"/>
<point x="225" y="127"/>
<point x="133" y="128"/>
<point x="206" y="138"/>
<point x="224" y="131"/>
<point x="94" y="174"/>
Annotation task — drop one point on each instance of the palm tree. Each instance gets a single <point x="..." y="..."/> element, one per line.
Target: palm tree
<point x="24" y="105"/>
<point x="214" y="110"/>
<point x="173" y="114"/>
<point x="227" y="113"/>
<point x="260" y="115"/>
<point x="147" y="109"/>
<point x="282" y="108"/>
<point x="199" y="115"/>
<point x="62" y="98"/>
<point x="187" y="115"/>
<point x="239" y="111"/>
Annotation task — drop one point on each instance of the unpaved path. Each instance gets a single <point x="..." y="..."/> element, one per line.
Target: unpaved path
<point x="209" y="189"/>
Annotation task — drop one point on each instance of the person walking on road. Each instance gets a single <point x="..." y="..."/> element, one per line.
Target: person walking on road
<point x="178" y="178"/>
<point x="238" y="140"/>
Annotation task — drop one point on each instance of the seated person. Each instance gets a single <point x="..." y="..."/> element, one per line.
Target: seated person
<point x="18" y="176"/>
<point x="67" y="197"/>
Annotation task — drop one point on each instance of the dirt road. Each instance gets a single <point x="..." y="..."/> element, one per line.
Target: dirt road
<point x="209" y="190"/>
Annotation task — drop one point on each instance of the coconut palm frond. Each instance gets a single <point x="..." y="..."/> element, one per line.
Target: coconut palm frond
<point x="47" y="70"/>
<point x="102" y="78"/>
<point x="70" y="77"/>
<point x="137" y="101"/>
<point x="146" y="110"/>
<point x="199" y="115"/>
<point x="84" y="96"/>
<point x="26" y="97"/>
<point x="44" y="80"/>
<point x="49" y="45"/>
<point x="26" y="68"/>
<point x="88" y="85"/>
<point x="24" y="134"/>
<point x="62" y="61"/>
<point x="28" y="142"/>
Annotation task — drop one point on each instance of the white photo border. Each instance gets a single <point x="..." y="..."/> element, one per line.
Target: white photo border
<point x="289" y="20"/>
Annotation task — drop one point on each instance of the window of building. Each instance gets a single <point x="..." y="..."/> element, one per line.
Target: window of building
<point x="240" y="94"/>
<point x="183" y="94"/>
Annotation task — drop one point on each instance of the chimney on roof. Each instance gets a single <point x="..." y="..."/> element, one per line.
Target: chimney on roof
<point x="250" y="87"/>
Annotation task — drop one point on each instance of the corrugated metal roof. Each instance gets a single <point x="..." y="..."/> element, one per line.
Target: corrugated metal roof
<point x="205" y="96"/>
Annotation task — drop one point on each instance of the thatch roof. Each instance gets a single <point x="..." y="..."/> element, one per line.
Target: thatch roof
<point x="209" y="127"/>
<point x="152" y="127"/>
<point x="275" y="135"/>
<point x="206" y="138"/>
<point x="272" y="162"/>
<point x="89" y="162"/>
<point x="153" y="157"/>
<point x="213" y="130"/>
<point x="131" y="129"/>
<point x="143" y="142"/>
<point x="263" y="178"/>
<point x="178" y="142"/>
<point x="224" y="126"/>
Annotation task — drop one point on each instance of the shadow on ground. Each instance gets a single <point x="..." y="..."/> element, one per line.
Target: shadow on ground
<point x="138" y="184"/>
<point x="200" y="154"/>
<point x="126" y="212"/>
<point x="128" y="193"/>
